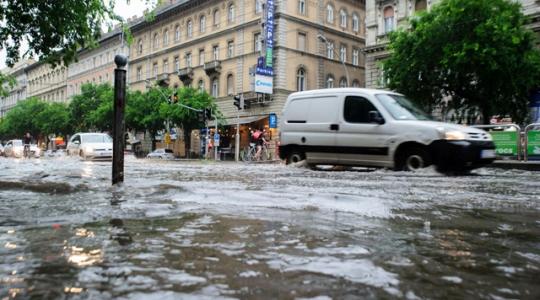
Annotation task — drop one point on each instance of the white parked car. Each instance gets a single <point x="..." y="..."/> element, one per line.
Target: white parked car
<point x="376" y="128"/>
<point x="161" y="154"/>
<point x="90" y="146"/>
<point x="15" y="148"/>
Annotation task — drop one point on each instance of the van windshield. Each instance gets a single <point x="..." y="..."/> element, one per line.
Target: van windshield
<point x="401" y="108"/>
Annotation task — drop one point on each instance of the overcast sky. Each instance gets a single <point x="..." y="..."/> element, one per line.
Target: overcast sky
<point x="122" y="8"/>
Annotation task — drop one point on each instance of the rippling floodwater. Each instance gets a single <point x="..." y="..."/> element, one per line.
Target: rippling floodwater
<point x="182" y="230"/>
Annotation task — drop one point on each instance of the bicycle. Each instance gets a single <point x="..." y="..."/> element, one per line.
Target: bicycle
<point x="26" y="151"/>
<point x="250" y="153"/>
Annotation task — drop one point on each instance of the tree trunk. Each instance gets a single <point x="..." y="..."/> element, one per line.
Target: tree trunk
<point x="187" y="141"/>
<point x="486" y="115"/>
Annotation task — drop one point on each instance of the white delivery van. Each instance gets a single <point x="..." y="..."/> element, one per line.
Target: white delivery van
<point x="375" y="128"/>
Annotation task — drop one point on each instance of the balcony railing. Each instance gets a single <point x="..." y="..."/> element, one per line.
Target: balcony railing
<point x="185" y="75"/>
<point x="213" y="67"/>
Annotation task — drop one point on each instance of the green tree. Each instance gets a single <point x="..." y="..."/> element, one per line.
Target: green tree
<point x="90" y="109"/>
<point x="476" y="52"/>
<point x="22" y="119"/>
<point x="54" y="119"/>
<point x="142" y="111"/>
<point x="187" y="118"/>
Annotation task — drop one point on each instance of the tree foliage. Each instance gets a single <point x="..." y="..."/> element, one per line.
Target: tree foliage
<point x="21" y="119"/>
<point x="54" y="119"/>
<point x="475" y="52"/>
<point x="142" y="111"/>
<point x="92" y="109"/>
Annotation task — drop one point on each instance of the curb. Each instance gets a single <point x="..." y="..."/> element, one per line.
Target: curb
<point x="518" y="165"/>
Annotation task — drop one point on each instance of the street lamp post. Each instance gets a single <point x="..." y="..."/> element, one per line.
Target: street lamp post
<point x="323" y="39"/>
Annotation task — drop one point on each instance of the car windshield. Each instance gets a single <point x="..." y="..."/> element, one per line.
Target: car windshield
<point x="96" y="138"/>
<point x="401" y="108"/>
<point x="17" y="143"/>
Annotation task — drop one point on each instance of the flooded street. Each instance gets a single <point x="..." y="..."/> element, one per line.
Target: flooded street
<point x="206" y="230"/>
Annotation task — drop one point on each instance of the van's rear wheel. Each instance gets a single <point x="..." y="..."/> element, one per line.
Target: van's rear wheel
<point x="413" y="159"/>
<point x="295" y="156"/>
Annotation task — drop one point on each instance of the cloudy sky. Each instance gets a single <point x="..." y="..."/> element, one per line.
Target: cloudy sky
<point x="125" y="8"/>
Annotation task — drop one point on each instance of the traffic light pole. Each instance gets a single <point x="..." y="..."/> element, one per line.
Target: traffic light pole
<point x="237" y="137"/>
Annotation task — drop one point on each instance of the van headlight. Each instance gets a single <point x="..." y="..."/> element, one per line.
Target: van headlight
<point x="454" y="135"/>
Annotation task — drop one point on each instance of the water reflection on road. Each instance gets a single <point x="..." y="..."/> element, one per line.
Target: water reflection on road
<point x="224" y="230"/>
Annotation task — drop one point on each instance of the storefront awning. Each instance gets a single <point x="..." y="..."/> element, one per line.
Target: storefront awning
<point x="244" y="120"/>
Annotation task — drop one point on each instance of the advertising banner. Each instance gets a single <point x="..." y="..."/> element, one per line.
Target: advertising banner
<point x="269" y="32"/>
<point x="533" y="143"/>
<point x="263" y="84"/>
<point x="505" y="142"/>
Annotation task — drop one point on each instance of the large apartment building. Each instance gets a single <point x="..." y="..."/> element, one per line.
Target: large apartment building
<point x="18" y="91"/>
<point x="217" y="45"/>
<point x="46" y="82"/>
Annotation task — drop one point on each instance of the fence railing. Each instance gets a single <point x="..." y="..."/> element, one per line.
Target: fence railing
<point x="516" y="143"/>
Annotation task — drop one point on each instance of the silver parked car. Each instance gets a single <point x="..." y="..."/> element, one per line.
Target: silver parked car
<point x="161" y="154"/>
<point x="90" y="146"/>
<point x="15" y="148"/>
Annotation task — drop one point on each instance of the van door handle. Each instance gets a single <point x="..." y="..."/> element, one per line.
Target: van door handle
<point x="334" y="127"/>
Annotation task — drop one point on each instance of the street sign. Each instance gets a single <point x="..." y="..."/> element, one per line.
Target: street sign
<point x="216" y="137"/>
<point x="264" y="84"/>
<point x="272" y="121"/>
<point x="505" y="142"/>
<point x="533" y="142"/>
<point x="167" y="138"/>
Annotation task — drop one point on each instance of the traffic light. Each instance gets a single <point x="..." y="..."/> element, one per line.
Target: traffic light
<point x="175" y="97"/>
<point x="200" y="116"/>
<point x="237" y="101"/>
<point x="208" y="113"/>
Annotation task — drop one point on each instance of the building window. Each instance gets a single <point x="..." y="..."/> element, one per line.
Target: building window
<point x="201" y="57"/>
<point x="329" y="13"/>
<point x="301" y="41"/>
<point x="215" y="52"/>
<point x="355" y="23"/>
<point x="177" y="33"/>
<point x="258" y="6"/>
<point x="230" y="14"/>
<point x="165" y="37"/>
<point x="343" y="18"/>
<point x="188" y="60"/>
<point x="202" y="24"/>
<point x="216" y="18"/>
<point x="201" y="85"/>
<point x="330" y="50"/>
<point x="355" y="57"/>
<point x="301" y="80"/>
<point x="257" y="43"/>
<point x="100" y="79"/>
<point x="166" y="66"/>
<point x="329" y="81"/>
<point x="388" y="19"/>
<point x="156" y="41"/>
<point x="420" y="5"/>
<point x="230" y="85"/>
<point x="356" y="83"/>
<point x="230" y="49"/>
<point x="302" y="7"/>
<point x="189" y="29"/>
<point x="343" y="82"/>
<point x="215" y="87"/>
<point x="343" y="53"/>
<point x="155" y="70"/>
<point x="176" y="63"/>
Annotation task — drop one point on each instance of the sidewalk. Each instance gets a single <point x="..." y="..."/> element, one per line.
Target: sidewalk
<point x="531" y="165"/>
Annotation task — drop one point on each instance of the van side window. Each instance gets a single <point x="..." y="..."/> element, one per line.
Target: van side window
<point x="357" y="109"/>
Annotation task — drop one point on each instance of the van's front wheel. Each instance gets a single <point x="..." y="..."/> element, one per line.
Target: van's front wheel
<point x="413" y="159"/>
<point x="295" y="156"/>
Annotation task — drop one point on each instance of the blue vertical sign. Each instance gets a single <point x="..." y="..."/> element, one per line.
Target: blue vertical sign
<point x="272" y="120"/>
<point x="269" y="32"/>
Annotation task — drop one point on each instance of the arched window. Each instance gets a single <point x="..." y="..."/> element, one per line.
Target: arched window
<point x="189" y="29"/>
<point x="215" y="87"/>
<point x="202" y="24"/>
<point x="420" y="5"/>
<point x="343" y="53"/>
<point x="329" y="13"/>
<point x="302" y="7"/>
<point x="177" y="33"/>
<point x="343" y="18"/>
<point x="329" y="81"/>
<point x="230" y="84"/>
<point x="301" y="80"/>
<point x="156" y="40"/>
<point x="388" y="19"/>
<point x="355" y="23"/>
<point x="230" y="15"/>
<point x="165" y="37"/>
<point x="258" y="6"/>
<point x="343" y="82"/>
<point x="200" y="85"/>
<point x="140" y="46"/>
<point x="216" y="18"/>
<point x="356" y="83"/>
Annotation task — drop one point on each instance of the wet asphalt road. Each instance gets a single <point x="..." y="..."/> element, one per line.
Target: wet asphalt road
<point x="205" y="230"/>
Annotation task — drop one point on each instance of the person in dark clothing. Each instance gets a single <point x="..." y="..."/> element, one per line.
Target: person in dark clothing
<point x="27" y="139"/>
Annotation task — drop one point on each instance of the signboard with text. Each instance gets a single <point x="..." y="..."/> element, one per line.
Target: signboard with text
<point x="272" y="121"/>
<point x="269" y="32"/>
<point x="533" y="143"/>
<point x="505" y="142"/>
<point x="263" y="84"/>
